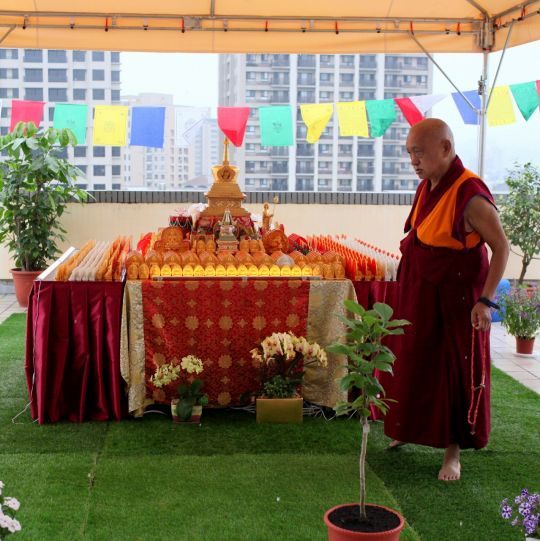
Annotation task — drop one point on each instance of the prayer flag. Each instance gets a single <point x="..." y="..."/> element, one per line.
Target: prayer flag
<point x="381" y="114"/>
<point x="316" y="117"/>
<point x="469" y="115"/>
<point x="186" y="118"/>
<point x="538" y="87"/>
<point x="232" y="122"/>
<point x="147" y="126"/>
<point x="276" y="126"/>
<point x="500" y="111"/>
<point x="26" y="111"/>
<point x="352" y="119"/>
<point x="527" y="99"/>
<point x="72" y="116"/>
<point x="409" y="110"/>
<point x="110" y="125"/>
<point x="191" y="133"/>
<point x="425" y="103"/>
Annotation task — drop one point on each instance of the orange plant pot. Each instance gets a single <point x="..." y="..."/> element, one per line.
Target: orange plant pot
<point x="23" y="282"/>
<point x="524" y="345"/>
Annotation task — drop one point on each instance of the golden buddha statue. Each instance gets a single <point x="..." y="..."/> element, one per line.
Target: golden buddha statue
<point x="225" y="192"/>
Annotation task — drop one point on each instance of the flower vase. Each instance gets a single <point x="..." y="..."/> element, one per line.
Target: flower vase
<point x="524" y="345"/>
<point x="279" y="410"/>
<point x="196" y="413"/>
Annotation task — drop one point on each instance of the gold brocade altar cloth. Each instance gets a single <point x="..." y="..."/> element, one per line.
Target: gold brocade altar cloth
<point x="221" y="321"/>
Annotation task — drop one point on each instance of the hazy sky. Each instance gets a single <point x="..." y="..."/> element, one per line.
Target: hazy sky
<point x="193" y="80"/>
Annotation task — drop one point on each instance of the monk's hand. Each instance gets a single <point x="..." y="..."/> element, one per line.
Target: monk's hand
<point x="481" y="317"/>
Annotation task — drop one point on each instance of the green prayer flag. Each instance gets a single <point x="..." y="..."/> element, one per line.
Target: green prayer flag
<point x="72" y="116"/>
<point x="527" y="99"/>
<point x="381" y="114"/>
<point x="276" y="126"/>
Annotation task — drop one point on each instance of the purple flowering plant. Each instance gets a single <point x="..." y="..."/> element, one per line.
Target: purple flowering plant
<point x="524" y="512"/>
<point x="8" y="507"/>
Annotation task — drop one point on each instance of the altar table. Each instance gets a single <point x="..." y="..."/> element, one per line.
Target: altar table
<point x="220" y="321"/>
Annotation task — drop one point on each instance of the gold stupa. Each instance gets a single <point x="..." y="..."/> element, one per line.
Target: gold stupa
<point x="225" y="192"/>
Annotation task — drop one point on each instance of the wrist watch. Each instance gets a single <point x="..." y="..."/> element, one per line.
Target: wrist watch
<point x="488" y="303"/>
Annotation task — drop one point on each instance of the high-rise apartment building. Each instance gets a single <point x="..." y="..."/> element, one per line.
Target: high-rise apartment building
<point x="58" y="76"/>
<point x="334" y="163"/>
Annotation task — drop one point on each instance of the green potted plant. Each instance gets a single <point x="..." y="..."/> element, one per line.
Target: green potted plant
<point x="282" y="358"/>
<point x="520" y="213"/>
<point x="366" y="354"/>
<point x="187" y="407"/>
<point x="36" y="184"/>
<point x="520" y="310"/>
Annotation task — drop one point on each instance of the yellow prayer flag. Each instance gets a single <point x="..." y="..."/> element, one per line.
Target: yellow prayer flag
<point x="352" y="118"/>
<point x="500" y="110"/>
<point x="316" y="117"/>
<point x="110" y="125"/>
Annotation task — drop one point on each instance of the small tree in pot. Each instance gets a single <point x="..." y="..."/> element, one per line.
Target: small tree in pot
<point x="366" y="355"/>
<point x="36" y="184"/>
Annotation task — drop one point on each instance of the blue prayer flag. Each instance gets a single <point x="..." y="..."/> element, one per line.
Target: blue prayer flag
<point x="467" y="114"/>
<point x="147" y="126"/>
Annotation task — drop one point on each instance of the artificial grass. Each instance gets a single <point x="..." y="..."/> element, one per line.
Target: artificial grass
<point x="231" y="479"/>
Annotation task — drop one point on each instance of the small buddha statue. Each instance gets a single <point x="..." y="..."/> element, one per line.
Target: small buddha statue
<point x="266" y="218"/>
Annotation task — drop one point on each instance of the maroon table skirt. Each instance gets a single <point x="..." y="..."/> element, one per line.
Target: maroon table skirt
<point x="73" y="351"/>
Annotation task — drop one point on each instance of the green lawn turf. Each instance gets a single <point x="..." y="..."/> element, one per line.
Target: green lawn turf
<point x="231" y="479"/>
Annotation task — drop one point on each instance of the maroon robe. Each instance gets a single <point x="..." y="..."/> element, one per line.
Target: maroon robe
<point x="438" y="288"/>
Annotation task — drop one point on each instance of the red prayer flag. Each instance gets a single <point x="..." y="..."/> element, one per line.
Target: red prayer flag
<point x="409" y="110"/>
<point x="232" y="122"/>
<point x="26" y="111"/>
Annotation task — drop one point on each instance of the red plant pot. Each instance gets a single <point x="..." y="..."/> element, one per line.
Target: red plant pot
<point x="524" y="345"/>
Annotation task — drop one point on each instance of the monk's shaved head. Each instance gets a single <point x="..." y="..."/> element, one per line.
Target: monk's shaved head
<point x="430" y="144"/>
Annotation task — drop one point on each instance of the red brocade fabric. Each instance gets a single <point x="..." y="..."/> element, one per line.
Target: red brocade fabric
<point x="73" y="351"/>
<point x="219" y="321"/>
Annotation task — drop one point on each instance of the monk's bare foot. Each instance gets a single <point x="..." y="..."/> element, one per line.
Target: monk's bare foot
<point x="451" y="467"/>
<point x="395" y="444"/>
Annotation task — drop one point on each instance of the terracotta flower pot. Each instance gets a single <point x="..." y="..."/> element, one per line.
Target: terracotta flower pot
<point x="384" y="514"/>
<point x="196" y="413"/>
<point x="23" y="282"/>
<point x="279" y="410"/>
<point x="524" y="345"/>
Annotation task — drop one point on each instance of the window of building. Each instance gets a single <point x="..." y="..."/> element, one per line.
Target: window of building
<point x="99" y="186"/>
<point x="327" y="60"/>
<point x="79" y="152"/>
<point x="79" y="75"/>
<point x="33" y="55"/>
<point x="346" y="96"/>
<point x="79" y="94"/>
<point x="4" y="131"/>
<point x="98" y="75"/>
<point x="57" y="76"/>
<point x="82" y="186"/>
<point x="79" y="56"/>
<point x="115" y="170"/>
<point x="56" y="56"/>
<point x="346" y="78"/>
<point x="116" y="152"/>
<point x="33" y="75"/>
<point x="9" y="54"/>
<point x="347" y="60"/>
<point x="6" y="112"/>
<point x="115" y="95"/>
<point x="51" y="118"/>
<point x="306" y="96"/>
<point x="98" y="152"/>
<point x="33" y="94"/>
<point x="58" y="94"/>
<point x="98" y="56"/>
<point x="9" y="93"/>
<point x="327" y="78"/>
<point x="98" y="94"/>
<point x="251" y="75"/>
<point x="115" y="76"/>
<point x="61" y="152"/>
<point x="83" y="169"/>
<point x="115" y="57"/>
<point x="9" y="73"/>
<point x="326" y="95"/>
<point x="99" y="170"/>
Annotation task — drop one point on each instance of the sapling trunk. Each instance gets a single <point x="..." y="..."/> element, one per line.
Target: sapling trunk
<point x="365" y="433"/>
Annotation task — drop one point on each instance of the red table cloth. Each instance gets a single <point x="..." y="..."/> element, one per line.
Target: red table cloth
<point x="72" y="351"/>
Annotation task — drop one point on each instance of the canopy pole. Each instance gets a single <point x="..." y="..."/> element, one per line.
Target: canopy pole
<point x="482" y="90"/>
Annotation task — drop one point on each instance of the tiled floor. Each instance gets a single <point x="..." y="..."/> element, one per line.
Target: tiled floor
<point x="526" y="369"/>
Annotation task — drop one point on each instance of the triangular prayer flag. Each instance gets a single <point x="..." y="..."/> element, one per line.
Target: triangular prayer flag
<point x="276" y="126"/>
<point x="381" y="114"/>
<point x="426" y="102"/>
<point x="527" y="98"/>
<point x="500" y="111"/>
<point x="316" y="117"/>
<point x="232" y="122"/>
<point x="409" y="110"/>
<point x="110" y="125"/>
<point x="352" y="119"/>
<point x="72" y="116"/>
<point x="147" y="126"/>
<point x="468" y="115"/>
<point x="26" y="111"/>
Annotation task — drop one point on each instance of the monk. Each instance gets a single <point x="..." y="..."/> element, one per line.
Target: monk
<point x="446" y="289"/>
